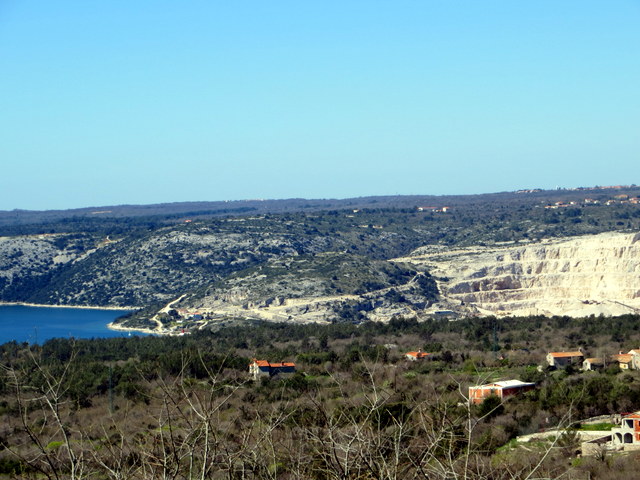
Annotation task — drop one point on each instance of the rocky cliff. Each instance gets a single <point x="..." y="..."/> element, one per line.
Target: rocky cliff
<point x="596" y="274"/>
<point x="330" y="286"/>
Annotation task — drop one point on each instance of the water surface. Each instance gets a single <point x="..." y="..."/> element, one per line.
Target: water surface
<point x="38" y="324"/>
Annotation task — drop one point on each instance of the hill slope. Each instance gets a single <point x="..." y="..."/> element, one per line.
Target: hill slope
<point x="324" y="287"/>
<point x="149" y="261"/>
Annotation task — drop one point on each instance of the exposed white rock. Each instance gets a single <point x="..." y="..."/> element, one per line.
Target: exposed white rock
<point x="597" y="274"/>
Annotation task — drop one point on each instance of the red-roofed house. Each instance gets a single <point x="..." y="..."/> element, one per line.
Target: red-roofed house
<point x="415" y="356"/>
<point x="502" y="390"/>
<point x="625" y="360"/>
<point x="263" y="368"/>
<point x="628" y="361"/>
<point x="562" y="359"/>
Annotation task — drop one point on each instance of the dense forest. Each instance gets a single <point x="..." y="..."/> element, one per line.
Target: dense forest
<point x="185" y="407"/>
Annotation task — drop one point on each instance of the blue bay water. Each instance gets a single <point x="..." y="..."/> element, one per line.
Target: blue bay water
<point x="38" y="324"/>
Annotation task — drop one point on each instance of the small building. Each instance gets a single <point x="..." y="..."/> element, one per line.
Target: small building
<point x="415" y="356"/>
<point x="263" y="368"/>
<point x="628" y="361"/>
<point x="624" y="360"/>
<point x="502" y="390"/>
<point x="592" y="364"/>
<point x="562" y="359"/>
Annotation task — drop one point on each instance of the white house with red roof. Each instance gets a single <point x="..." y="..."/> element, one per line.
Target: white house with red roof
<point x="628" y="361"/>
<point x="263" y="368"/>
<point x="562" y="359"/>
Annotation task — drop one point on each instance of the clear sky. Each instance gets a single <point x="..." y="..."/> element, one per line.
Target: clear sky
<point x="139" y="102"/>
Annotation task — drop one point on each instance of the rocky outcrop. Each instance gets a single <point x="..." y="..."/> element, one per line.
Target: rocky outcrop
<point x="597" y="274"/>
<point x="135" y="270"/>
<point x="28" y="262"/>
<point x="332" y="286"/>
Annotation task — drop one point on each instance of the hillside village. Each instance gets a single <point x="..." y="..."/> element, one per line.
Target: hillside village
<point x="616" y="200"/>
<point x="620" y="432"/>
<point x="503" y="390"/>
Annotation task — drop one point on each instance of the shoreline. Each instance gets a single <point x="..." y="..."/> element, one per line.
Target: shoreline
<point x="111" y="325"/>
<point x="85" y="307"/>
<point x="120" y="328"/>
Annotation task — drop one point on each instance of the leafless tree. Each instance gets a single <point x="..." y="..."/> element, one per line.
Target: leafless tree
<point x="43" y="414"/>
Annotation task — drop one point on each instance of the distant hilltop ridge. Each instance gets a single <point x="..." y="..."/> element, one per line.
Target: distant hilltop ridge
<point x="273" y="206"/>
<point x="581" y="189"/>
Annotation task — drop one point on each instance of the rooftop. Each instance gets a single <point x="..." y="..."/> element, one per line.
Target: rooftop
<point x="506" y="384"/>
<point x="566" y="354"/>
<point x="418" y="354"/>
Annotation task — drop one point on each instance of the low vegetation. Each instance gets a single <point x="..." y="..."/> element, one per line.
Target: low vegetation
<point x="184" y="407"/>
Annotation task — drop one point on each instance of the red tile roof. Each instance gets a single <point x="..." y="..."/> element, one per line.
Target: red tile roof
<point x="265" y="363"/>
<point x="418" y="354"/>
<point x="623" y="357"/>
<point x="566" y="354"/>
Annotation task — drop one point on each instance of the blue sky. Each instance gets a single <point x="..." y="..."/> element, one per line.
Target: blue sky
<point x="139" y="102"/>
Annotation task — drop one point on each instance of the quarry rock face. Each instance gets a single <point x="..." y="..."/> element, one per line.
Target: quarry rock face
<point x="589" y="275"/>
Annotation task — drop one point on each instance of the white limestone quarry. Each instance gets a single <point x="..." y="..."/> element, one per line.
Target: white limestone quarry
<point x="581" y="276"/>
